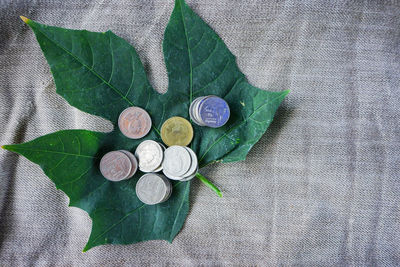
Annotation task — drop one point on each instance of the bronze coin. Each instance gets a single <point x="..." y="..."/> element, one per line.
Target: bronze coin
<point x="134" y="122"/>
<point x="176" y="131"/>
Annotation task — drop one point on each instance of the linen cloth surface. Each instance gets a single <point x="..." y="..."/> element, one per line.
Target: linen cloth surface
<point x="321" y="188"/>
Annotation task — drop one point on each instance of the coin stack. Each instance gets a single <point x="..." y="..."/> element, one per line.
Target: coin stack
<point x="153" y="189"/>
<point x="134" y="122"/>
<point x="211" y="111"/>
<point x="118" y="165"/>
<point x="180" y="163"/>
<point x="150" y="155"/>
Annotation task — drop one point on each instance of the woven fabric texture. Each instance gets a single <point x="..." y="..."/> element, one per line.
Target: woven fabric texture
<point x="321" y="188"/>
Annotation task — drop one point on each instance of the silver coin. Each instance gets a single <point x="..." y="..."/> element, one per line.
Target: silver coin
<point x="192" y="110"/>
<point x="196" y="109"/>
<point x="169" y="189"/>
<point x="133" y="161"/>
<point x="152" y="189"/>
<point x="167" y="196"/>
<point x="162" y="146"/>
<point x="150" y="155"/>
<point x="115" y="166"/>
<point x="194" y="164"/>
<point x="158" y="169"/>
<point x="171" y="176"/>
<point x="177" y="161"/>
<point x="190" y="177"/>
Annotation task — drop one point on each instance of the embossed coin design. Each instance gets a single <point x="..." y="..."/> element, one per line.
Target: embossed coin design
<point x="115" y="166"/>
<point x="152" y="189"/>
<point x="177" y="161"/>
<point x="150" y="155"/>
<point x="134" y="122"/>
<point x="177" y="131"/>
<point x="214" y="111"/>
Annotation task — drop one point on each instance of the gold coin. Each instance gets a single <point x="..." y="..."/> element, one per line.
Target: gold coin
<point x="177" y="131"/>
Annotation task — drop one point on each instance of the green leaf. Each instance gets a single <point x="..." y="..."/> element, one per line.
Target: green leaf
<point x="199" y="63"/>
<point x="70" y="158"/>
<point x="101" y="74"/>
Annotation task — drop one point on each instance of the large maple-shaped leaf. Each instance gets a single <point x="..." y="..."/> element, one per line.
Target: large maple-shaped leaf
<point x="100" y="73"/>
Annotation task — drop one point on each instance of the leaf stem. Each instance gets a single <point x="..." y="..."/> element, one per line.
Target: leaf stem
<point x="209" y="184"/>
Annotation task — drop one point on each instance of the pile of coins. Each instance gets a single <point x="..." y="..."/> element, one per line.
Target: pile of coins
<point x="152" y="189"/>
<point x="180" y="163"/>
<point x="118" y="165"/>
<point x="150" y="155"/>
<point x="211" y="111"/>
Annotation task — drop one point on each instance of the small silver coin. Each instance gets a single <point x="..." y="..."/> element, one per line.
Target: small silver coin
<point x="197" y="110"/>
<point x="133" y="161"/>
<point x="115" y="166"/>
<point x="152" y="189"/>
<point x="167" y="196"/>
<point x="189" y="177"/>
<point x="162" y="146"/>
<point x="193" y="110"/>
<point x="158" y="169"/>
<point x="194" y="164"/>
<point x="171" y="176"/>
<point x="150" y="155"/>
<point x="177" y="161"/>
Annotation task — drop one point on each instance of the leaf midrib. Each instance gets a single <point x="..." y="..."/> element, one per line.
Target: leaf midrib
<point x="12" y="148"/>
<point x="137" y="209"/>
<point x="189" y="56"/>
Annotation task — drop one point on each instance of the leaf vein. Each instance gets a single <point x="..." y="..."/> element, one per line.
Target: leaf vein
<point x="118" y="222"/>
<point x="215" y="79"/>
<point x="209" y="56"/>
<point x="91" y="70"/>
<point x="112" y="59"/>
<point x="234" y="127"/>
<point x="190" y="57"/>
<point x="180" y="207"/>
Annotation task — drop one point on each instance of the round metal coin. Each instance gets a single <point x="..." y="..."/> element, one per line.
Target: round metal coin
<point x="150" y="155"/>
<point x="134" y="122"/>
<point x="152" y="189"/>
<point x="194" y="164"/>
<point x="177" y="131"/>
<point x="133" y="161"/>
<point x="189" y="177"/>
<point x="115" y="166"/>
<point x="177" y="161"/>
<point x="214" y="111"/>
<point x="171" y="176"/>
<point x="195" y="111"/>
<point x="192" y="110"/>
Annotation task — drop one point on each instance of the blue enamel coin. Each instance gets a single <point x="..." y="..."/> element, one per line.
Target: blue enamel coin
<point x="214" y="111"/>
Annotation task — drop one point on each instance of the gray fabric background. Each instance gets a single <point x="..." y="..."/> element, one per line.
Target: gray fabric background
<point x="322" y="187"/>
